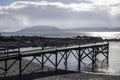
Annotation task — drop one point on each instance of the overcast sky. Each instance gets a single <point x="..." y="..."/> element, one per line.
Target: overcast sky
<point x="15" y="14"/>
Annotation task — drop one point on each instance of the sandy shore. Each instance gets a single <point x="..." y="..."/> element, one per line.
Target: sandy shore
<point x="34" y="72"/>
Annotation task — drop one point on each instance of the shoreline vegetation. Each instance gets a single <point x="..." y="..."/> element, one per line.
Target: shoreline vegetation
<point x="36" y="41"/>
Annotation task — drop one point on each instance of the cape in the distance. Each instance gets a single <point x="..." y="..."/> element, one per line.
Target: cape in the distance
<point x="52" y="31"/>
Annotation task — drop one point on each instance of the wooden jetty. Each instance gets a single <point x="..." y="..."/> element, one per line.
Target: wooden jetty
<point x="80" y="52"/>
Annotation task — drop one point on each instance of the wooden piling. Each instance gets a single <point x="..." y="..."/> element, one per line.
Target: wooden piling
<point x="20" y="63"/>
<point x="56" y="58"/>
<point x="42" y="61"/>
<point x="79" y="60"/>
<point x="66" y="60"/>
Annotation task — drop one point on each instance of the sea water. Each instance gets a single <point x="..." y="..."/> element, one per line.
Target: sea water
<point x="114" y="55"/>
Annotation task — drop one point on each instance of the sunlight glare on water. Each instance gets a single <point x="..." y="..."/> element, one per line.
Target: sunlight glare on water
<point x="104" y="35"/>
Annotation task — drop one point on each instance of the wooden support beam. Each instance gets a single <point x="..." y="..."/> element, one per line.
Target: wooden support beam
<point x="66" y="60"/>
<point x="48" y="59"/>
<point x="20" y="65"/>
<point x="6" y="63"/>
<point x="79" y="59"/>
<point x="107" y="54"/>
<point x="6" y="69"/>
<point x="74" y="54"/>
<point x="93" y="59"/>
<point x="11" y="64"/>
<point x="42" y="61"/>
<point x="62" y="57"/>
<point x="95" y="65"/>
<point x="56" y="62"/>
<point x="27" y="64"/>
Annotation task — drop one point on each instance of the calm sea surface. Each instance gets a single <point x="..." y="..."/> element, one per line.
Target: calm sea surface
<point x="114" y="57"/>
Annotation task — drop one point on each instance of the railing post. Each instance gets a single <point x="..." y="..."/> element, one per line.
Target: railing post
<point x="18" y="50"/>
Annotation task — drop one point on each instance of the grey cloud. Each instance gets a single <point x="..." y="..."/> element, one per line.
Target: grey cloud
<point x="53" y="12"/>
<point x="85" y="1"/>
<point x="70" y="1"/>
<point x="117" y="17"/>
<point x="9" y="23"/>
<point x="64" y="1"/>
<point x="54" y="15"/>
